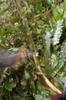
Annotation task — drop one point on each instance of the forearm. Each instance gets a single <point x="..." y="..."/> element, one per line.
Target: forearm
<point x="6" y="61"/>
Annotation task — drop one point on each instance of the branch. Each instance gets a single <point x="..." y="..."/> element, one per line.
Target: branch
<point x="45" y="79"/>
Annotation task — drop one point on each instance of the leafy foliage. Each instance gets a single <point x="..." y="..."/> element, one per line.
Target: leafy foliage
<point x="40" y="26"/>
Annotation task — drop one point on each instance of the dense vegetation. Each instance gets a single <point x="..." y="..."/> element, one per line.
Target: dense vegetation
<point x="38" y="26"/>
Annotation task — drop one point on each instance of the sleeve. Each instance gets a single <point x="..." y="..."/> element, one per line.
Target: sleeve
<point x="8" y="60"/>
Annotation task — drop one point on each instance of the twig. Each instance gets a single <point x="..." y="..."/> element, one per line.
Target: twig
<point x="45" y="79"/>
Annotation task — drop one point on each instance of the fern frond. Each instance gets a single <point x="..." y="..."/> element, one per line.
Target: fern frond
<point x="58" y="32"/>
<point x="48" y="42"/>
<point x="62" y="57"/>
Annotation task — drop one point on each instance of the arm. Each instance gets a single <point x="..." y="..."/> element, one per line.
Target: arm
<point x="10" y="59"/>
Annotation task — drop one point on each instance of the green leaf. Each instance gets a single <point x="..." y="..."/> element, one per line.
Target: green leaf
<point x="27" y="75"/>
<point x="38" y="97"/>
<point x="64" y="5"/>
